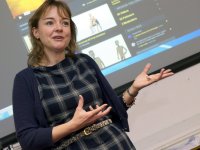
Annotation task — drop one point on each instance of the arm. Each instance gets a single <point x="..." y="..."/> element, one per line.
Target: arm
<point x="102" y="63"/>
<point x="143" y="80"/>
<point x="33" y="135"/>
<point x="125" y="50"/>
<point x="27" y="127"/>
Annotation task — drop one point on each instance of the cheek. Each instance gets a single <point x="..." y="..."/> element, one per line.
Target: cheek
<point x="45" y="37"/>
<point x="68" y="34"/>
<point x="68" y="30"/>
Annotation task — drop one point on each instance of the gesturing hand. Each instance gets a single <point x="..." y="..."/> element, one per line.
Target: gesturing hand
<point x="143" y="79"/>
<point x="83" y="118"/>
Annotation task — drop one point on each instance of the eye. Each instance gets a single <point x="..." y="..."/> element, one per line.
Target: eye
<point x="49" y="23"/>
<point x="66" y="23"/>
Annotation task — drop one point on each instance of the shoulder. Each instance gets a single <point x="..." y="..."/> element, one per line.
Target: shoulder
<point x="27" y="73"/>
<point x="85" y="57"/>
<point x="24" y="79"/>
<point x="82" y="55"/>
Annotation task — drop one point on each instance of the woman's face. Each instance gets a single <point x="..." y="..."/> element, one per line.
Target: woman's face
<point x="53" y="31"/>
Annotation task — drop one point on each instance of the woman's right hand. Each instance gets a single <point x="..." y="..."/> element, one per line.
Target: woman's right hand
<point x="80" y="120"/>
<point x="83" y="118"/>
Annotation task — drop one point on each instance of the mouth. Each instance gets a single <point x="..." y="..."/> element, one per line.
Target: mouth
<point x="58" y="38"/>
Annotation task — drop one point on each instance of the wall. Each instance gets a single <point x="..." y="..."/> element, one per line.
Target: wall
<point x="167" y="112"/>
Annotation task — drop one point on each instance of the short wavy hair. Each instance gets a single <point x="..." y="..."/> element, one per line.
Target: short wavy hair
<point x="37" y="51"/>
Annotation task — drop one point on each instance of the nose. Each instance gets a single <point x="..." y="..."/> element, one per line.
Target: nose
<point x="58" y="27"/>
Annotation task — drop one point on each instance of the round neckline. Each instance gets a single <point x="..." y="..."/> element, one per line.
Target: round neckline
<point x="63" y="62"/>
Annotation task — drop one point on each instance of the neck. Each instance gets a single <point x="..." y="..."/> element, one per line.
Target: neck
<point x="51" y="60"/>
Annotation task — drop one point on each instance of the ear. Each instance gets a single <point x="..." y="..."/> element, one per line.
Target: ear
<point x="35" y="32"/>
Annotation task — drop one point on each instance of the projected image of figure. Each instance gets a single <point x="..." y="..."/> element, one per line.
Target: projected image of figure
<point x="92" y="22"/>
<point x="97" y="59"/>
<point x="62" y="100"/>
<point x="121" y="51"/>
<point x="95" y="26"/>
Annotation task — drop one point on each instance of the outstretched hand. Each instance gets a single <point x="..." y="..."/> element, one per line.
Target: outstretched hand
<point x="143" y="79"/>
<point x="84" y="118"/>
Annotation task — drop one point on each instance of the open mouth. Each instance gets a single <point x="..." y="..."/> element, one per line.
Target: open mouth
<point x="58" y="38"/>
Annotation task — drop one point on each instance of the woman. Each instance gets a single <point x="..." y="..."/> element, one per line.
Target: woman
<point x="61" y="100"/>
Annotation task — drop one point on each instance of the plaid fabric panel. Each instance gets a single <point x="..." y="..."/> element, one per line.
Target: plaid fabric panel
<point x="59" y="87"/>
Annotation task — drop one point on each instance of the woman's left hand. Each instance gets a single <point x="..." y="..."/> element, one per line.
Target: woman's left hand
<point x="143" y="79"/>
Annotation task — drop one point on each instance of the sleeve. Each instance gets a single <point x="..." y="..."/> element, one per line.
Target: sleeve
<point x="30" y="134"/>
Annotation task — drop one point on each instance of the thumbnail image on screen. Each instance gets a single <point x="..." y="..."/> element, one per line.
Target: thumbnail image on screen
<point x="20" y="8"/>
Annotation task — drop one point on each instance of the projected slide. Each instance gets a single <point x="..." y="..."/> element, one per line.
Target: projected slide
<point x="145" y="29"/>
<point x="119" y="34"/>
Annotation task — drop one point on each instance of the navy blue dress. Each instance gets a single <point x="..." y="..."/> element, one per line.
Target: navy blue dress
<point x="60" y="86"/>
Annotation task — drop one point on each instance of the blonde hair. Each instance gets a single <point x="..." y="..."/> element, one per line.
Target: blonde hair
<point x="37" y="52"/>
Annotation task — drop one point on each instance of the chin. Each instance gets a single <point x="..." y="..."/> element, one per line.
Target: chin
<point x="58" y="49"/>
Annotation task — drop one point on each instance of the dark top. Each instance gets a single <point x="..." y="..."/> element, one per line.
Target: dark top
<point x="30" y="120"/>
<point x="59" y="87"/>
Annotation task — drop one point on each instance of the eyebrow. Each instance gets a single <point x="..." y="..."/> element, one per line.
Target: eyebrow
<point x="51" y="18"/>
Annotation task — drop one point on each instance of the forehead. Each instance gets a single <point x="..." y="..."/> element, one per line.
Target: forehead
<point x="53" y="10"/>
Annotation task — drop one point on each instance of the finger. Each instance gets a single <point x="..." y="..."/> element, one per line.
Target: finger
<point x="168" y="71"/>
<point x="147" y="68"/>
<point x="97" y="106"/>
<point x="162" y="70"/>
<point x="91" y="108"/>
<point x="105" y="112"/>
<point x="148" y="77"/>
<point x="99" y="109"/>
<point x="81" y="101"/>
<point x="101" y="114"/>
<point x="161" y="73"/>
<point x="167" y="74"/>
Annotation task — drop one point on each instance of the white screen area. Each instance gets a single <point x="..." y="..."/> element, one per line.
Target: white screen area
<point x="121" y="36"/>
